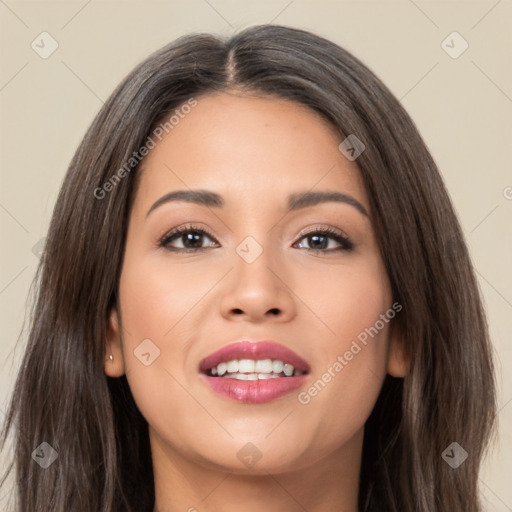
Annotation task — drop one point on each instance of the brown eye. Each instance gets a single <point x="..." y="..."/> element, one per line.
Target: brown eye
<point x="187" y="239"/>
<point x="319" y="240"/>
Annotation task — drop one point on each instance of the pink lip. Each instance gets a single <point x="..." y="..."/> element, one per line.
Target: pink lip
<point x="254" y="391"/>
<point x="257" y="350"/>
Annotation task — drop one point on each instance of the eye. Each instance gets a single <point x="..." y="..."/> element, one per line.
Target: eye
<point x="320" y="240"/>
<point x="191" y="239"/>
<point x="188" y="239"/>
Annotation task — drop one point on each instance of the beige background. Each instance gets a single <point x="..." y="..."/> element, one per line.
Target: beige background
<point x="462" y="106"/>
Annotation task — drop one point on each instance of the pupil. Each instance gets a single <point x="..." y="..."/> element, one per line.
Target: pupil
<point x="322" y="245"/>
<point x="192" y="239"/>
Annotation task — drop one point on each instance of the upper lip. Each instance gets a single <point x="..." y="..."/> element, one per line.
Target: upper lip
<point x="265" y="349"/>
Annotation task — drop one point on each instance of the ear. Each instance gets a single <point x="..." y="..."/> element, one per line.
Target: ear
<point x="398" y="364"/>
<point x="114" y="367"/>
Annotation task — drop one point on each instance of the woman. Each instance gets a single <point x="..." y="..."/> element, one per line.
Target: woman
<point x="255" y="295"/>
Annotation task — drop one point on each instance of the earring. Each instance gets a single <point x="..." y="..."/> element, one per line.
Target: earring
<point x="111" y="357"/>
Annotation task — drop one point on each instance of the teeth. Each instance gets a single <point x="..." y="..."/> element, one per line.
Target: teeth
<point x="251" y="376"/>
<point x="222" y="368"/>
<point x="263" y="366"/>
<point x="277" y="366"/>
<point x="246" y="366"/>
<point x="288" y="370"/>
<point x="232" y="366"/>
<point x="250" y="369"/>
<point x="238" y="376"/>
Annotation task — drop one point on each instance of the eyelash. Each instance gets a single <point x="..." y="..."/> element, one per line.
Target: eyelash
<point x="345" y="244"/>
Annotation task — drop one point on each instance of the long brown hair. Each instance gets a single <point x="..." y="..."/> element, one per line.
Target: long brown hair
<point x="62" y="395"/>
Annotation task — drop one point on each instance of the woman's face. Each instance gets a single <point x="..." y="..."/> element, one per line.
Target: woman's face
<point x="262" y="270"/>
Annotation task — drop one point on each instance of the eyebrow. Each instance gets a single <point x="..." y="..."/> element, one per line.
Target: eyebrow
<point x="295" y="201"/>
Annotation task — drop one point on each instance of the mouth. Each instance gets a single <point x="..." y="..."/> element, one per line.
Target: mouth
<point x="252" y="361"/>
<point x="254" y="372"/>
<point x="250" y="369"/>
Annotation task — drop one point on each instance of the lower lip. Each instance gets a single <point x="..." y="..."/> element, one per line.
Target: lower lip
<point x="254" y="391"/>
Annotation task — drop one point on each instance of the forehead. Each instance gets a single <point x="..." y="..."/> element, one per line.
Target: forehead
<point x="249" y="147"/>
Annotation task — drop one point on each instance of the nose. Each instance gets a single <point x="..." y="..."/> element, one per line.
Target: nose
<point x="259" y="291"/>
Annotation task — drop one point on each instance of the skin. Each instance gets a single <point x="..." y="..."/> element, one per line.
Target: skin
<point x="254" y="152"/>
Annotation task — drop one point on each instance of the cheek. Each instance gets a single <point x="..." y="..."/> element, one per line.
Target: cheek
<point x="156" y="294"/>
<point x="159" y="303"/>
<point x="346" y="300"/>
<point x="152" y="304"/>
<point x="354" y="345"/>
